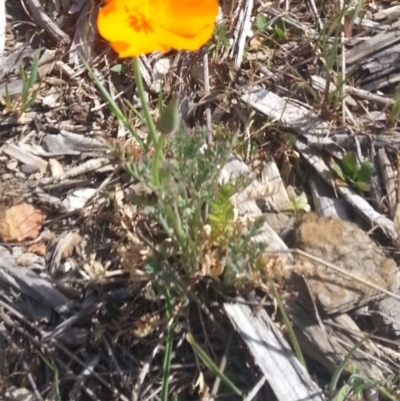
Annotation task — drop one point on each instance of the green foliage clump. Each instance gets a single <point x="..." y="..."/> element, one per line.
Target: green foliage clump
<point x="357" y="175"/>
<point x="195" y="210"/>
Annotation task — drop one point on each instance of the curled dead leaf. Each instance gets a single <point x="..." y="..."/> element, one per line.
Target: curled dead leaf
<point x="203" y="389"/>
<point x="133" y="258"/>
<point x="212" y="264"/>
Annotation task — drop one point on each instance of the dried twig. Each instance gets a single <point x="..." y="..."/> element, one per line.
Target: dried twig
<point x="43" y="20"/>
<point x="2" y="27"/>
<point x="207" y="92"/>
<point x="245" y="28"/>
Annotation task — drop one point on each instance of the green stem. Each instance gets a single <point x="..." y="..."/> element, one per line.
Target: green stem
<point x="168" y="349"/>
<point x="152" y="137"/>
<point x="158" y="155"/>
<point x="289" y="328"/>
<point x="211" y="365"/>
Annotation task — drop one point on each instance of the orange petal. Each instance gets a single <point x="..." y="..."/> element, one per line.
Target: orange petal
<point x="143" y="44"/>
<point x="189" y="18"/>
<point x="178" y="24"/>
<point x="119" y="47"/>
<point x="112" y="24"/>
<point x="181" y="42"/>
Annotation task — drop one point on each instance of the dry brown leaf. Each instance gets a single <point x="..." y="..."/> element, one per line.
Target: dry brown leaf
<point x="255" y="43"/>
<point x="146" y="325"/>
<point x="212" y="264"/>
<point x="133" y="257"/>
<point x="39" y="248"/>
<point x="21" y="222"/>
<point x="204" y="390"/>
<point x="212" y="261"/>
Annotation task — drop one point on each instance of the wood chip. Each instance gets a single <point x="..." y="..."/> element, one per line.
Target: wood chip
<point x="78" y="198"/>
<point x="286" y="376"/>
<point x="373" y="44"/>
<point x="31" y="284"/>
<point x="14" y="59"/>
<point x="389" y="177"/>
<point x="386" y="316"/>
<point x="22" y="154"/>
<point x="56" y="168"/>
<point x="356" y="201"/>
<point x="46" y="63"/>
<point x="320" y="83"/>
<point x="304" y="121"/>
<point x="326" y="203"/>
<point x="84" y="36"/>
<point x="65" y="245"/>
<point x="44" y="21"/>
<point x="330" y="341"/>
<point x="234" y="168"/>
<point x="19" y="394"/>
<point x="2" y="28"/>
<point x="69" y="143"/>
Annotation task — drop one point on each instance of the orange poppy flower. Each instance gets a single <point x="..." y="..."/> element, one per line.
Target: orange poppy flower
<point x="135" y="27"/>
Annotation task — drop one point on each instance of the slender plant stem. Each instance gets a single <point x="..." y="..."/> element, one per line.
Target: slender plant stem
<point x="211" y="365"/>
<point x="152" y="137"/>
<point x="289" y="328"/>
<point x="168" y="349"/>
<point x="158" y="155"/>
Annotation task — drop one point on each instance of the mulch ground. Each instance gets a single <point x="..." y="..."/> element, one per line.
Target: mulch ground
<point x="80" y="318"/>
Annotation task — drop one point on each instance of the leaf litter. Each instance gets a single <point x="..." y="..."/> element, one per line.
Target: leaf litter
<point x="75" y="297"/>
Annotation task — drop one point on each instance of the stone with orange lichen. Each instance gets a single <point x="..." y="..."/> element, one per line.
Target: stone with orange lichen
<point x="20" y="222"/>
<point x="346" y="246"/>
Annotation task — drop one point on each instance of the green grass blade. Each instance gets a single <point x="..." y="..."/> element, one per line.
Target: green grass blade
<point x="211" y="365"/>
<point x="25" y="85"/>
<point x="371" y="383"/>
<point x="152" y="134"/>
<point x="34" y="71"/>
<point x="137" y="114"/>
<point x="9" y="103"/>
<point x="339" y="370"/>
<point x="51" y="365"/>
<point x="119" y="114"/>
<point x="168" y="349"/>
<point x="289" y="328"/>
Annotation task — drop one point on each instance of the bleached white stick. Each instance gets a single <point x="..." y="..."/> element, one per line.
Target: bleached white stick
<point x="2" y="26"/>
<point x="246" y="27"/>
